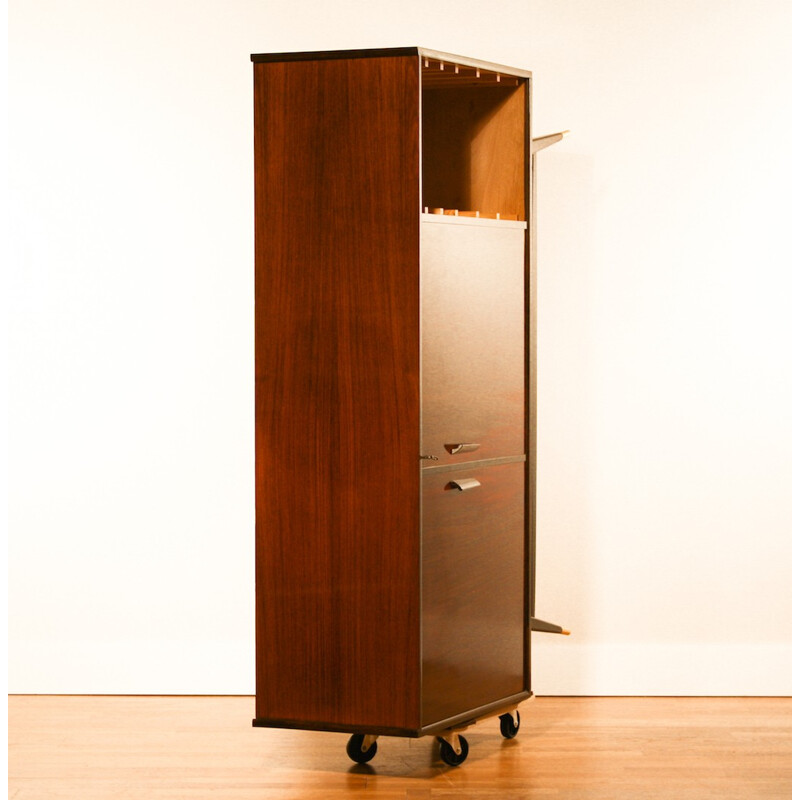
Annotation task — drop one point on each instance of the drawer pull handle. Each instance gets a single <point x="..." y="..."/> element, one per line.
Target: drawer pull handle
<point x="461" y="447"/>
<point x="464" y="484"/>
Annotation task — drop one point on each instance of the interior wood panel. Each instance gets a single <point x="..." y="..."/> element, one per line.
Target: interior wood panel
<point x="337" y="397"/>
<point x="473" y="588"/>
<point x="474" y="148"/>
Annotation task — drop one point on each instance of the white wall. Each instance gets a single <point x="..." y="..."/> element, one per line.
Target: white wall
<point x="664" y="416"/>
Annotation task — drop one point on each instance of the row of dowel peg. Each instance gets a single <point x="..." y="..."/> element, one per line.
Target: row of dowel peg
<point x="467" y="72"/>
<point x="456" y="212"/>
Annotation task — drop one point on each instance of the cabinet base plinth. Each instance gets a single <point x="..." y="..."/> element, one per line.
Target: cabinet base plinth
<point x="459" y="722"/>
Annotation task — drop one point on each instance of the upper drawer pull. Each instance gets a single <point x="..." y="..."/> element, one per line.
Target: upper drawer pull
<point x="464" y="483"/>
<point x="461" y="447"/>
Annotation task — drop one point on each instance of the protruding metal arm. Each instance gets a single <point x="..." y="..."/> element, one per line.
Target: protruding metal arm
<point x="540" y="142"/>
<point x="547" y="627"/>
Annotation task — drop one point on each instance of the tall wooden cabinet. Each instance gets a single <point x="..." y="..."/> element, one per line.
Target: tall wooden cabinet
<point x="393" y="392"/>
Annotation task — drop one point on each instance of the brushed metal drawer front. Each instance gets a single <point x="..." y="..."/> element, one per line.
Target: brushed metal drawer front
<point x="473" y="341"/>
<point x="473" y="578"/>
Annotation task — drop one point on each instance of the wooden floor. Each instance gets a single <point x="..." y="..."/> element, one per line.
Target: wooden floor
<point x="84" y="748"/>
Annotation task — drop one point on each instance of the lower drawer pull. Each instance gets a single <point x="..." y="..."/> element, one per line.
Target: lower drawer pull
<point x="464" y="484"/>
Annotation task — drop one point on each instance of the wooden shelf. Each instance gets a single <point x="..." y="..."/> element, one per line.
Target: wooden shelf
<point x="489" y="222"/>
<point x="456" y="212"/>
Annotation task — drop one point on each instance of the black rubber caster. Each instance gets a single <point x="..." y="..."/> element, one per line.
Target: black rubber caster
<point x="449" y="756"/>
<point x="509" y="727"/>
<point x="355" y="752"/>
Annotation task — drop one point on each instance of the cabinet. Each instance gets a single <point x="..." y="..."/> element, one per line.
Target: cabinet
<point x="393" y="391"/>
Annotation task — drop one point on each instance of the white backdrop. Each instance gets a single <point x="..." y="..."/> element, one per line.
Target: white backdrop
<point x="664" y="334"/>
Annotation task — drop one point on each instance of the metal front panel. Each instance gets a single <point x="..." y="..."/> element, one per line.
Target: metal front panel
<point x="473" y="339"/>
<point x="474" y="626"/>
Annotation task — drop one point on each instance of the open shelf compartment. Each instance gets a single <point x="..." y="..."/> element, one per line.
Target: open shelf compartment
<point x="473" y="140"/>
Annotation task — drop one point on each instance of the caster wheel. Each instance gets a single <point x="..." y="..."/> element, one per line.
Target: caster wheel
<point x="509" y="727"/>
<point x="449" y="755"/>
<point x="355" y="752"/>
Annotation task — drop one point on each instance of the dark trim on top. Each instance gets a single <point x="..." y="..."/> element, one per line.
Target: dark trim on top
<point x="325" y="55"/>
<point x="384" y="52"/>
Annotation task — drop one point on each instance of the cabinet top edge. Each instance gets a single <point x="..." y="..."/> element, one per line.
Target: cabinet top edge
<point x="387" y="52"/>
<point x="327" y="55"/>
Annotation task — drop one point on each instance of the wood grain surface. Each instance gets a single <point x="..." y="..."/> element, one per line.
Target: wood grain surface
<point x="474" y="148"/>
<point x="568" y="748"/>
<point x="336" y="393"/>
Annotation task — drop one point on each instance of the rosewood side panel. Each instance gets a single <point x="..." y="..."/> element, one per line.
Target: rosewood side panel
<point x="337" y="393"/>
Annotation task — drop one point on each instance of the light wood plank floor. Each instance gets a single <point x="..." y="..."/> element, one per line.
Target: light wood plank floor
<point x="85" y="748"/>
